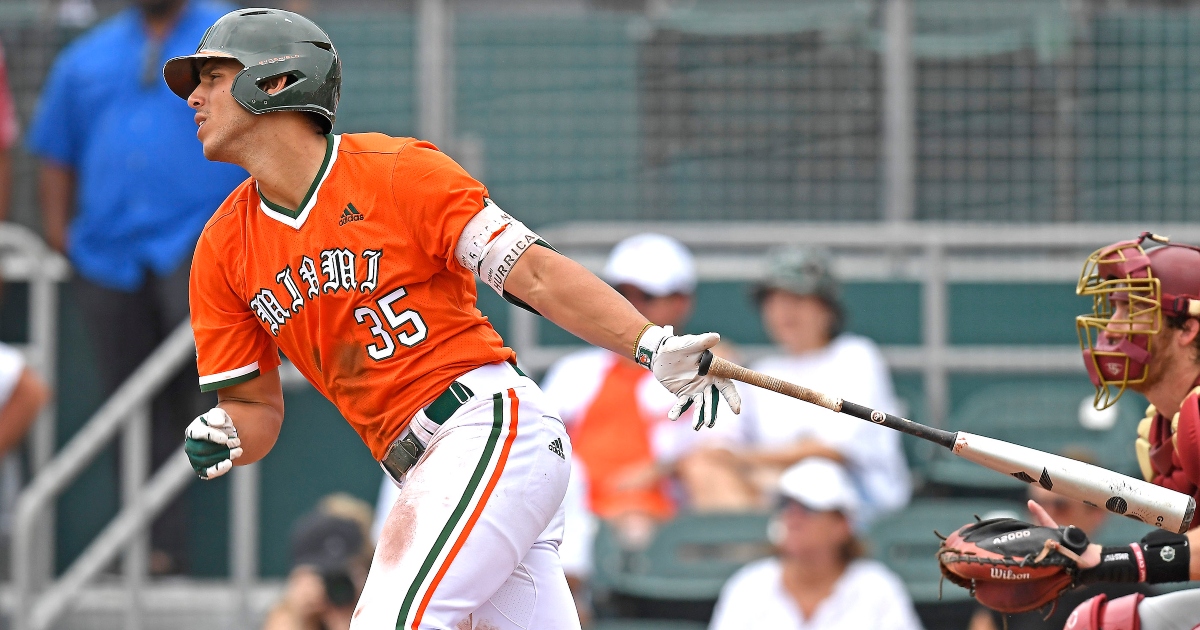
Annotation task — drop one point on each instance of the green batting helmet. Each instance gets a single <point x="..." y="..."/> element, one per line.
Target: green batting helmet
<point x="270" y="43"/>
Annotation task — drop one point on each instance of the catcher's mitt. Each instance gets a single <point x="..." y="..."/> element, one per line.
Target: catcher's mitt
<point x="1011" y="566"/>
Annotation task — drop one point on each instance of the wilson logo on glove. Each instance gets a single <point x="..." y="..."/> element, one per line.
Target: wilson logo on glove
<point x="1008" y="574"/>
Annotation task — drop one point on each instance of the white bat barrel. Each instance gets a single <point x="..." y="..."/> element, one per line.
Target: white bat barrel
<point x="1090" y="484"/>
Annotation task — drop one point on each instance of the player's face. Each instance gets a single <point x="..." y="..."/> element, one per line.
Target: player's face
<point x="221" y="122"/>
<point x="1121" y="323"/>
<point x="1164" y="351"/>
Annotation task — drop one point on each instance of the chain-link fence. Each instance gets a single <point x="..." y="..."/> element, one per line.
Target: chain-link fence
<point x="1023" y="110"/>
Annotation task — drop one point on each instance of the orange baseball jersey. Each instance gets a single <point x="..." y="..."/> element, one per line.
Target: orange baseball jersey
<point x="359" y="287"/>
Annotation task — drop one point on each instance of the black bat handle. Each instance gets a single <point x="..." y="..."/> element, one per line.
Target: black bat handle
<point x="903" y="425"/>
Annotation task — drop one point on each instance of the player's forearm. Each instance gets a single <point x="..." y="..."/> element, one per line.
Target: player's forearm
<point x="572" y="297"/>
<point x="256" y="409"/>
<point x="56" y="190"/>
<point x="258" y="426"/>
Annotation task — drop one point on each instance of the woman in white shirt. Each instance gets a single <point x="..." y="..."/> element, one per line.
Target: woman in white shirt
<point x="817" y="579"/>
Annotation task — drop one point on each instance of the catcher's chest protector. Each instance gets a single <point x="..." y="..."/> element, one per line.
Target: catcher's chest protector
<point x="1170" y="448"/>
<point x="1098" y="613"/>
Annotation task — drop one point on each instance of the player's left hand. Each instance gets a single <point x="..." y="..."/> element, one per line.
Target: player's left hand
<point x="211" y="443"/>
<point x="1088" y="559"/>
<point x="1012" y="566"/>
<point x="675" y="362"/>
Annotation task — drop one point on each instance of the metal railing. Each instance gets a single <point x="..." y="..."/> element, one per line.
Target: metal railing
<point x="935" y="255"/>
<point x="24" y="257"/>
<point x="126" y="411"/>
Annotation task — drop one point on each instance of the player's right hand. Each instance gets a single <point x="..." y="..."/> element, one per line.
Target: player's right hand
<point x="675" y="362"/>
<point x="211" y="443"/>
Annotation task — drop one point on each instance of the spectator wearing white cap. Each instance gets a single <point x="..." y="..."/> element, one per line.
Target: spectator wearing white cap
<point x="817" y="579"/>
<point x="616" y="412"/>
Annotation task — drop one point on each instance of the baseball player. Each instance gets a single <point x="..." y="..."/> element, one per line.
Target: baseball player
<point x="356" y="256"/>
<point x="1143" y="335"/>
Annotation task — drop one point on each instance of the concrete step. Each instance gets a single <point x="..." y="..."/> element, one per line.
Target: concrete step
<point x="166" y="604"/>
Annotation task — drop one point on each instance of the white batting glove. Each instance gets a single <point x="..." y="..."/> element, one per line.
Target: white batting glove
<point x="211" y="443"/>
<point x="675" y="362"/>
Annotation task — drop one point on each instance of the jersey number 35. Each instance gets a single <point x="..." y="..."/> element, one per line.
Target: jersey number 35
<point x="407" y="326"/>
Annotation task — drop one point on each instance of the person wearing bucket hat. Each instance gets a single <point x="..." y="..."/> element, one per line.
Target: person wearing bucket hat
<point x="799" y="299"/>
<point x="817" y="578"/>
<point x="802" y="296"/>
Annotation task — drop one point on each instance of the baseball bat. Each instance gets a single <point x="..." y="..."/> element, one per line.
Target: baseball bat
<point x="1093" y="485"/>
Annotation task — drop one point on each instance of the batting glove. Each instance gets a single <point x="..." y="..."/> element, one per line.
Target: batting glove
<point x="675" y="362"/>
<point x="211" y="443"/>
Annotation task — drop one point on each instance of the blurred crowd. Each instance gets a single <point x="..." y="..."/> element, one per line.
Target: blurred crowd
<point x="124" y="192"/>
<point x="824" y="479"/>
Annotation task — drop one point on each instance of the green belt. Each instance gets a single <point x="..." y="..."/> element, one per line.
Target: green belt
<point x="451" y="400"/>
<point x="405" y="452"/>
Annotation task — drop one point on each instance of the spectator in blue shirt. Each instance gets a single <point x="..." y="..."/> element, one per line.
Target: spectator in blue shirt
<point x="125" y="191"/>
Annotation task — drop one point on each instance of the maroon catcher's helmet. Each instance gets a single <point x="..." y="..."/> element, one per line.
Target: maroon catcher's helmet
<point x="1133" y="284"/>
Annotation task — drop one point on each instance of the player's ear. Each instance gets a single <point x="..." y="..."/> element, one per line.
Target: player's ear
<point x="1189" y="332"/>
<point x="271" y="86"/>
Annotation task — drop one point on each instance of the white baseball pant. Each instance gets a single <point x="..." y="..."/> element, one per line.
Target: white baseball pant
<point x="472" y="540"/>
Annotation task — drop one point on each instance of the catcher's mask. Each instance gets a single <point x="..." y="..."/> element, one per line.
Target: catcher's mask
<point x="1133" y="285"/>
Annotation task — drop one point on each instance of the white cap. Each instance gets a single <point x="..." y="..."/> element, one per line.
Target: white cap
<point x="654" y="263"/>
<point x="820" y="484"/>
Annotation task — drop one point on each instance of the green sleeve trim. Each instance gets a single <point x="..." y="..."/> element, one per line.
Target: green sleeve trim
<point x="209" y="387"/>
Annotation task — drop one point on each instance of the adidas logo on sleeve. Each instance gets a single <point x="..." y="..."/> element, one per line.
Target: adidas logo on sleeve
<point x="557" y="449"/>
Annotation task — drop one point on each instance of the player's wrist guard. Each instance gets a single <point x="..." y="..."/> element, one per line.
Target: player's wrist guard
<point x="648" y="342"/>
<point x="1158" y="557"/>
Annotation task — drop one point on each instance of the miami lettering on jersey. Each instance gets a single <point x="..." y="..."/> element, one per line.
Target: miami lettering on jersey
<point x="337" y="265"/>
<point x="359" y="287"/>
